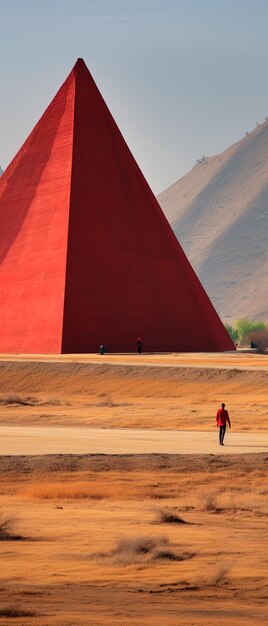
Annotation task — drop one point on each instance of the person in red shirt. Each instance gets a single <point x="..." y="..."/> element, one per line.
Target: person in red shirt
<point x="221" y="418"/>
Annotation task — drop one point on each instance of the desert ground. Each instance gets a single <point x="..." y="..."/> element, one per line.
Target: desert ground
<point x="130" y="391"/>
<point x="140" y="539"/>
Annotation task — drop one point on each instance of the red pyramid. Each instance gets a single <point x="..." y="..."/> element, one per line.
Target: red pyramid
<point x="87" y="256"/>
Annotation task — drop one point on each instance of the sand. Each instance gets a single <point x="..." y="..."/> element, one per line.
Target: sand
<point x="128" y="391"/>
<point x="140" y="539"/>
<point x="18" y="440"/>
<point x="97" y="545"/>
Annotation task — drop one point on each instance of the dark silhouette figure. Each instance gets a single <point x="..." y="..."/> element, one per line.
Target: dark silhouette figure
<point x="221" y="418"/>
<point x="102" y="349"/>
<point x="139" y="345"/>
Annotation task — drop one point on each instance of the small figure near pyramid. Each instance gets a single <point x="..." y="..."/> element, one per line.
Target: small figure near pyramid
<point x="139" y="345"/>
<point x="72" y="269"/>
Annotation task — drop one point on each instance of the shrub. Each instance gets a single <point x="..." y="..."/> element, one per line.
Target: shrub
<point x="220" y="574"/>
<point x="6" y="530"/>
<point x="13" y="611"/>
<point x="129" y="550"/>
<point x="245" y="328"/>
<point x="209" y="502"/>
<point x="168" y="517"/>
<point x="139" y="545"/>
<point x="233" y="332"/>
<point x="260" y="338"/>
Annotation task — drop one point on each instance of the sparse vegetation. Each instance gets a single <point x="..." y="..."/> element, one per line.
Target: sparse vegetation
<point x="131" y="549"/>
<point x="13" y="399"/>
<point x="260" y="339"/>
<point x="169" y="555"/>
<point x="209" y="501"/>
<point x="201" y="160"/>
<point x="220" y="574"/>
<point x="6" y="530"/>
<point x="165" y="516"/>
<point x="117" y="542"/>
<point x="95" y="488"/>
<point x="13" y="611"/>
<point x="245" y="327"/>
<point x="69" y="490"/>
<point x="244" y="331"/>
<point x="139" y="545"/>
<point x="233" y="332"/>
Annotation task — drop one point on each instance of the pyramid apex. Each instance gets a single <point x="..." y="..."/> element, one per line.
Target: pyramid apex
<point x="79" y="66"/>
<point x="80" y="62"/>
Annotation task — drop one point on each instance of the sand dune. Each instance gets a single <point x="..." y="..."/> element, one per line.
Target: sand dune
<point x="219" y="212"/>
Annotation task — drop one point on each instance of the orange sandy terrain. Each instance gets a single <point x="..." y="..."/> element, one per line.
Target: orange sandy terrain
<point x="151" y="391"/>
<point x="150" y="539"/>
<point x="136" y="539"/>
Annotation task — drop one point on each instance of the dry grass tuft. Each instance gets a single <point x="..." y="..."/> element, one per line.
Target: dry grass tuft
<point x="139" y="545"/>
<point x="53" y="402"/>
<point x="209" y="502"/>
<point x="147" y="549"/>
<point x="6" y="530"/>
<point x="95" y="487"/>
<point x="220" y="574"/>
<point x="172" y="556"/>
<point x="68" y="490"/>
<point x="12" y="611"/>
<point x="244" y="500"/>
<point x="234" y="500"/>
<point x="165" y="516"/>
<point x="15" y="399"/>
<point x="107" y="400"/>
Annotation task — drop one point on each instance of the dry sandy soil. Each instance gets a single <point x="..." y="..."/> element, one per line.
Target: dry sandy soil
<point x="39" y="440"/>
<point x="136" y="539"/>
<point x="150" y="539"/>
<point x="151" y="391"/>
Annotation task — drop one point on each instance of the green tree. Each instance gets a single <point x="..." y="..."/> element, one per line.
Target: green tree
<point x="244" y="328"/>
<point x="232" y="332"/>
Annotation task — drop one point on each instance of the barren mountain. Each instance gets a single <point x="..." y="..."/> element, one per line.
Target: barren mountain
<point x="219" y="213"/>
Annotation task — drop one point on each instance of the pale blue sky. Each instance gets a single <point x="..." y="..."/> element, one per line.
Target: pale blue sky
<point x="182" y="78"/>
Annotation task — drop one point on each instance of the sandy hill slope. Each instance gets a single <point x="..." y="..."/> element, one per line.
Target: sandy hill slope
<point x="219" y="212"/>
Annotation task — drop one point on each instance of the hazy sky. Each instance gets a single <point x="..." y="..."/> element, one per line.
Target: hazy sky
<point x="182" y="78"/>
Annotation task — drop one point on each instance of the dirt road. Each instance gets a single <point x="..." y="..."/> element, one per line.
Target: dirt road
<point x="241" y="360"/>
<point x="33" y="440"/>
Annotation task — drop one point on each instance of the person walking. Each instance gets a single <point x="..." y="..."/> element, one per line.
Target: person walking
<point x="221" y="418"/>
<point x="139" y="345"/>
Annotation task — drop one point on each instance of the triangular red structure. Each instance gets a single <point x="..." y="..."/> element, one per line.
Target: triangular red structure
<point x="87" y="256"/>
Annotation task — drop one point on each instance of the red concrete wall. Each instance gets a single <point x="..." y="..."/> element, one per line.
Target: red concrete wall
<point x="87" y="256"/>
<point x="34" y="214"/>
<point x="126" y="274"/>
